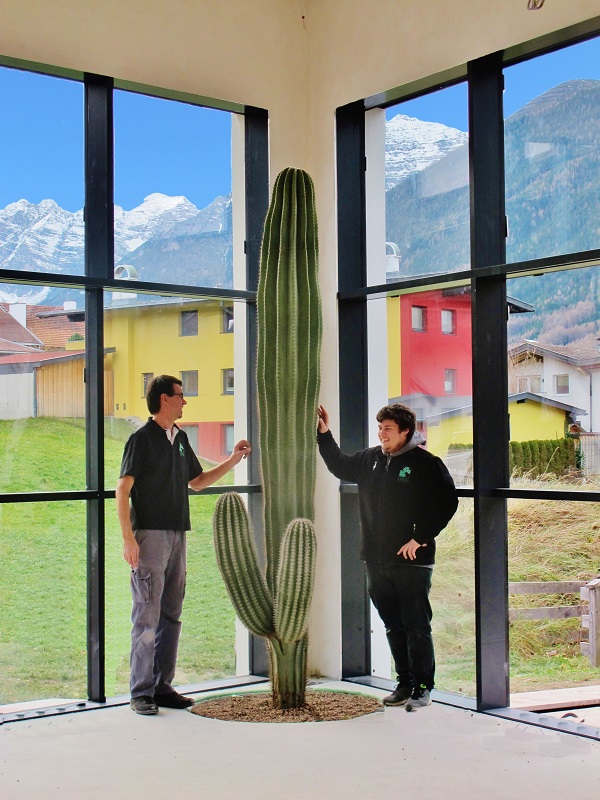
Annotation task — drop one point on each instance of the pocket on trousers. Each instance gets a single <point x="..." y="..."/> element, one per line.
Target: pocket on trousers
<point x="141" y="586"/>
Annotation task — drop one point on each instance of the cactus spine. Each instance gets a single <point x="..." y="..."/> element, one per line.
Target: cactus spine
<point x="288" y="381"/>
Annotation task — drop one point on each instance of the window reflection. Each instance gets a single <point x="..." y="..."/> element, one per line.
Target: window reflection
<point x="552" y="151"/>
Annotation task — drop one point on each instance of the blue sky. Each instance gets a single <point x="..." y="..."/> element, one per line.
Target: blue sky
<point x="522" y="83"/>
<point x="178" y="149"/>
<point x="160" y="146"/>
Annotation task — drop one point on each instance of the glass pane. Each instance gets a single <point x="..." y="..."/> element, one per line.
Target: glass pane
<point x="173" y="212"/>
<point x="42" y="391"/>
<point x="427" y="184"/>
<point x="411" y="366"/>
<point x="552" y="124"/>
<point x="554" y="380"/>
<point x="43" y="601"/>
<point x="555" y="543"/>
<point x="453" y="602"/>
<point x="41" y="164"/>
<point x="207" y="644"/>
<point x="430" y="371"/>
<point x="142" y="340"/>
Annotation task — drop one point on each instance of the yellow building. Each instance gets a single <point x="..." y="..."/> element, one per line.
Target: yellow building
<point x="190" y="339"/>
<point x="531" y="416"/>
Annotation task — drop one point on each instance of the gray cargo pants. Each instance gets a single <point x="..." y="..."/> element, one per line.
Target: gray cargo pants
<point x="157" y="589"/>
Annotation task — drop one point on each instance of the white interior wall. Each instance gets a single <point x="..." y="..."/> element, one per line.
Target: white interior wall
<point x="301" y="59"/>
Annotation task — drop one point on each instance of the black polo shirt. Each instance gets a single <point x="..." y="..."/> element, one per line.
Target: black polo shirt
<point x="161" y="472"/>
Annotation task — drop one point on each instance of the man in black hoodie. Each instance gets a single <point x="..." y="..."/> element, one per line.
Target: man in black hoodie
<point x="406" y="497"/>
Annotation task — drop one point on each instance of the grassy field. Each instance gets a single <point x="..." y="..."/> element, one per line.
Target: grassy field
<point x="43" y="575"/>
<point x="43" y="579"/>
<point x="548" y="541"/>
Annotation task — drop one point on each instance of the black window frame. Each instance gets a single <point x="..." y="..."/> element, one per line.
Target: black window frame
<point x="98" y="279"/>
<point x="487" y="277"/>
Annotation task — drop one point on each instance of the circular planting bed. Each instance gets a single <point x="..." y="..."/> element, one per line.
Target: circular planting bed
<point x="320" y="706"/>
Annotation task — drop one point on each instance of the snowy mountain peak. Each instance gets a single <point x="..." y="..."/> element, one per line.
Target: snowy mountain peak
<point x="412" y="144"/>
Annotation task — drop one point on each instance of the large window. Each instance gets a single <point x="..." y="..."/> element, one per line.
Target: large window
<point x="43" y="598"/>
<point x="513" y="207"/>
<point x="42" y="392"/>
<point x="84" y="349"/>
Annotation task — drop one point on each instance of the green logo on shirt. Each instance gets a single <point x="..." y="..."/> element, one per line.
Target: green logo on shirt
<point x="181" y="449"/>
<point x="403" y="474"/>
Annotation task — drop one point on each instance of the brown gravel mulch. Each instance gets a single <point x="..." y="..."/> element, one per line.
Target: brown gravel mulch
<point x="321" y="706"/>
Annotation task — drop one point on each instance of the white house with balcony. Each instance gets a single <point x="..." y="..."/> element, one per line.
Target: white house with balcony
<point x="565" y="373"/>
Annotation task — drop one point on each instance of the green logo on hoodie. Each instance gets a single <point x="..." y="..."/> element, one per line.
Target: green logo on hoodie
<point x="403" y="474"/>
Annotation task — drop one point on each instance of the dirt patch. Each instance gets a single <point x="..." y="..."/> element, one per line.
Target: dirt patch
<point x="321" y="706"/>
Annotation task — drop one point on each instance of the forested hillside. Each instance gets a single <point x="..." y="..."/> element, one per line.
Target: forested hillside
<point x="552" y="206"/>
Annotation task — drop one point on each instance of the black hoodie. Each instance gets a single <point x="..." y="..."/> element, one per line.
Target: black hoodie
<point x="409" y="495"/>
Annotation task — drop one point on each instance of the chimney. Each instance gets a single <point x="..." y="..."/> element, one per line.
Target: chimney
<point x="19" y="312"/>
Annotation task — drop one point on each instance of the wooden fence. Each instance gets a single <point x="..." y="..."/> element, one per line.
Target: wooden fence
<point x="590" y="449"/>
<point x="588" y="592"/>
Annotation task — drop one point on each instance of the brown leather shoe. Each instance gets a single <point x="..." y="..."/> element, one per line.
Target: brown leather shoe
<point x="144" y="705"/>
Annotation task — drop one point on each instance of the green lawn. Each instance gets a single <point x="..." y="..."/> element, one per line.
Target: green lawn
<point x="43" y="581"/>
<point x="43" y="575"/>
<point x="548" y="541"/>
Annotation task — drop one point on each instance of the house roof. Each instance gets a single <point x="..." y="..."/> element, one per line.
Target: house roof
<point x="14" y="337"/>
<point x="27" y="362"/>
<point x="48" y="327"/>
<point x="52" y="328"/>
<point x="521" y="397"/>
<point x="570" y="354"/>
<point x="42" y="356"/>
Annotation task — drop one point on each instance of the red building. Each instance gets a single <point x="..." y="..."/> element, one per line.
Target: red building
<point x="435" y="349"/>
<point x="435" y="343"/>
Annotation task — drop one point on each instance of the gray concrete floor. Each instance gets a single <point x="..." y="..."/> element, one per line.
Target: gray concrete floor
<point x="436" y="752"/>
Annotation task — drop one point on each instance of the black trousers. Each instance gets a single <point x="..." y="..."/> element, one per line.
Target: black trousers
<point x="400" y="593"/>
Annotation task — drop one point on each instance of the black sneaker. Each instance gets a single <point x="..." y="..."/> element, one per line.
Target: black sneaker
<point x="398" y="697"/>
<point x="173" y="700"/>
<point x="420" y="698"/>
<point x="144" y="705"/>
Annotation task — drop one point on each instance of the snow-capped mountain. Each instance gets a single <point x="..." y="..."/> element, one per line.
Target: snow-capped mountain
<point x="45" y="238"/>
<point x="411" y="145"/>
<point x="156" y="216"/>
<point x="40" y="238"/>
<point x="168" y="238"/>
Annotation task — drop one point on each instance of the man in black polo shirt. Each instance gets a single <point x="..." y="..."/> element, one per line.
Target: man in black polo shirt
<point x="158" y="466"/>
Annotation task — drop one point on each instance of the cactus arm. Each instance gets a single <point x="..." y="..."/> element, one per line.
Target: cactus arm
<point x="238" y="564"/>
<point x="295" y="580"/>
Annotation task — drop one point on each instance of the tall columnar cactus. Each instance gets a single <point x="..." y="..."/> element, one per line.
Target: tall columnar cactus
<point x="288" y="380"/>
